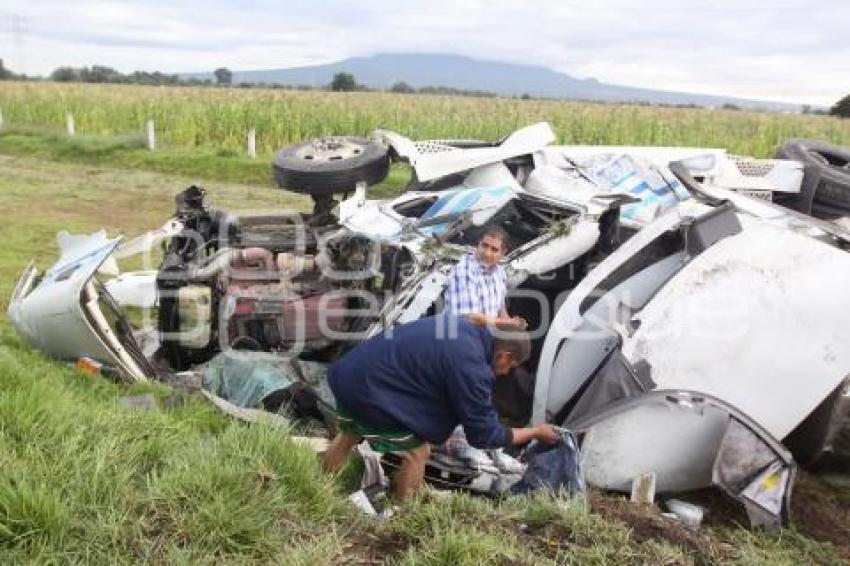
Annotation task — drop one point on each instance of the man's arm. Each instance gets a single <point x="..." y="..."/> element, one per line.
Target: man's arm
<point x="470" y="390"/>
<point x="469" y="386"/>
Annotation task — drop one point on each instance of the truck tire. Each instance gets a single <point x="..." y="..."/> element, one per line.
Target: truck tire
<point x="324" y="166"/>
<point x="825" y="191"/>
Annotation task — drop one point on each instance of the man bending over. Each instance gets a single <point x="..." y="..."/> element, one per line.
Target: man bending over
<point x="410" y="388"/>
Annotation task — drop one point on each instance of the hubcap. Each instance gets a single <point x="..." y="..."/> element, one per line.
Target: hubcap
<point x="330" y="149"/>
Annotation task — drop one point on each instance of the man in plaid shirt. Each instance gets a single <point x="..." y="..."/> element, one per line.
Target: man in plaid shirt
<point x="478" y="284"/>
<point x="477" y="288"/>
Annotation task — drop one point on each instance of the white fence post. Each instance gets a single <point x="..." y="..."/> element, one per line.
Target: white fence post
<point x="252" y="143"/>
<point x="1" y="118"/>
<point x="151" y="135"/>
<point x="69" y="124"/>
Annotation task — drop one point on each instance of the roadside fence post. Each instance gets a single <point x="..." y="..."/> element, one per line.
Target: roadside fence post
<point x="69" y="124"/>
<point x="1" y="118"/>
<point x="252" y="143"/>
<point x="151" y="135"/>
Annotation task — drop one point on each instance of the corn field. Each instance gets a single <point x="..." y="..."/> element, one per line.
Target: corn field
<point x="220" y="117"/>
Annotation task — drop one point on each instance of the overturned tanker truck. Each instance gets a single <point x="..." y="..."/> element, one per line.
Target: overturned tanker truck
<point x="687" y="306"/>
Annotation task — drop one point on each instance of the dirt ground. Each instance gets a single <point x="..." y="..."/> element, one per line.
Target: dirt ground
<point x="818" y="510"/>
<point x="372" y="548"/>
<point x="648" y="524"/>
<point x="821" y="512"/>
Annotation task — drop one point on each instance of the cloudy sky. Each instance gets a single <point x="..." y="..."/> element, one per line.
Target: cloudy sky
<point x="789" y="50"/>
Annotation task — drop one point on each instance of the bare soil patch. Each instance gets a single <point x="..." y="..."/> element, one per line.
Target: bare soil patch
<point x="819" y="513"/>
<point x="647" y="524"/>
<point x="377" y="546"/>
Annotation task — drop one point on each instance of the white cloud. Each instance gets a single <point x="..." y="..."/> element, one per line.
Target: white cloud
<point x="789" y="50"/>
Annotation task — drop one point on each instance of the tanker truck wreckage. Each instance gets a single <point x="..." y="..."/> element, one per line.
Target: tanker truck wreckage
<point x="683" y="323"/>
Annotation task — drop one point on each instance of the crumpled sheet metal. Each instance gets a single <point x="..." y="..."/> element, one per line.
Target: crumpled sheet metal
<point x="756" y="474"/>
<point x="622" y="173"/>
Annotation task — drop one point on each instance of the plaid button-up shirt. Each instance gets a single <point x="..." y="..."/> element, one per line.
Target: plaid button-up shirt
<point x="472" y="289"/>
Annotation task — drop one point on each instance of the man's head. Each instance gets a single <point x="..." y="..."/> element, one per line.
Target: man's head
<point x="492" y="247"/>
<point x="510" y="351"/>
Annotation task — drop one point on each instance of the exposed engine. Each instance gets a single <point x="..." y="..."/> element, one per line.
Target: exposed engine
<point x="272" y="283"/>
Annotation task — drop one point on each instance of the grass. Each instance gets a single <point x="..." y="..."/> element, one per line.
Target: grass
<point x="130" y="153"/>
<point x="83" y="480"/>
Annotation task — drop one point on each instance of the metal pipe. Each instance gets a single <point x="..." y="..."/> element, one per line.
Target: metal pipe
<point x="229" y="257"/>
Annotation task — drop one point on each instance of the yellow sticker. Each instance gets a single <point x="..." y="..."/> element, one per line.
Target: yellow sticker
<point x="771" y="481"/>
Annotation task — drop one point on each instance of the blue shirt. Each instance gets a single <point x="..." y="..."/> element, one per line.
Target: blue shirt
<point x="472" y="289"/>
<point x="420" y="380"/>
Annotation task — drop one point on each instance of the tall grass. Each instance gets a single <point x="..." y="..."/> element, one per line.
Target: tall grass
<point x="82" y="480"/>
<point x="219" y="118"/>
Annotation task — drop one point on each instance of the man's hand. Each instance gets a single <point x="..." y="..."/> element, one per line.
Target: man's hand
<point x="546" y="433"/>
<point x="504" y="323"/>
<point x="478" y="318"/>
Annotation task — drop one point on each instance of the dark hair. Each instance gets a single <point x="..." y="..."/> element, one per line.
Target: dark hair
<point x="515" y="342"/>
<point x="497" y="232"/>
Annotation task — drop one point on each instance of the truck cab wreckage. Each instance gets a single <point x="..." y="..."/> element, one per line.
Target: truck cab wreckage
<point x="683" y="323"/>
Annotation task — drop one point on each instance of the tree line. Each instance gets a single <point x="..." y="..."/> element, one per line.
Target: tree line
<point x="345" y="82"/>
<point x="222" y="76"/>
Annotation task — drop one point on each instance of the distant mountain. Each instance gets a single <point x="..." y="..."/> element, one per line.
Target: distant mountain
<point x="455" y="71"/>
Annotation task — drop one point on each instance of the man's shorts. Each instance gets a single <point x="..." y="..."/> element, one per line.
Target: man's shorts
<point x="380" y="439"/>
